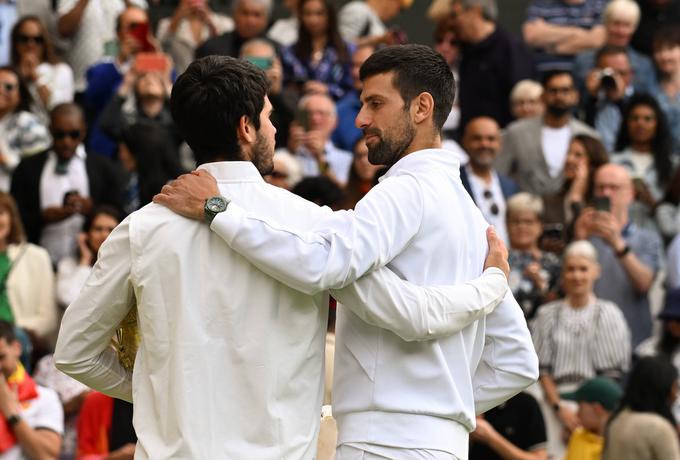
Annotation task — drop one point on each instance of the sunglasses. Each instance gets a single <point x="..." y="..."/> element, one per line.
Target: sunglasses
<point x="24" y="39"/>
<point x="58" y="135"/>
<point x="9" y="87"/>
<point x="493" y="208"/>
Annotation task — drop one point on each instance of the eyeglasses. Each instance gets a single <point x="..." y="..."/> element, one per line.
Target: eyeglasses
<point x="9" y="87"/>
<point x="58" y="135"/>
<point x="25" y="39"/>
<point x="493" y="208"/>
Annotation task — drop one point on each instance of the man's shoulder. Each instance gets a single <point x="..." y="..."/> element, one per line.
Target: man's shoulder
<point x="523" y="125"/>
<point x="355" y="7"/>
<point x="579" y="127"/>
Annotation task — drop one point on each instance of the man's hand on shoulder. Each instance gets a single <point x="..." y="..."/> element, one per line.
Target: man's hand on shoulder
<point x="186" y="195"/>
<point x="498" y="253"/>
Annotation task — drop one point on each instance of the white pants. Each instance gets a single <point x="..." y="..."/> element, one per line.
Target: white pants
<point x="360" y="451"/>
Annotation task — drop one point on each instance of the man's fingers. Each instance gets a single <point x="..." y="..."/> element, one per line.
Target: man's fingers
<point x="161" y="198"/>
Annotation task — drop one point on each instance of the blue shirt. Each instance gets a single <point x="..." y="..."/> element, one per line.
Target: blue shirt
<point x="614" y="284"/>
<point x="346" y="134"/>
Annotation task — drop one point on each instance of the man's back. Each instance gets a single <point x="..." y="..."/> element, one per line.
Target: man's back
<point x="229" y="364"/>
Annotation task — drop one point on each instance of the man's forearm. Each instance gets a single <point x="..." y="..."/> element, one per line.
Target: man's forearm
<point x="641" y="276"/>
<point x="37" y="444"/>
<point x="588" y="39"/>
<point x="413" y="312"/>
<point x="540" y="34"/>
<point x="68" y="24"/>
<point x="509" y="451"/>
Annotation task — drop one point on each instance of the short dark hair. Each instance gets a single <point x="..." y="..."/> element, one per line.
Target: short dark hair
<point x="666" y="37"/>
<point x="610" y="50"/>
<point x="417" y="69"/>
<point x="7" y="332"/>
<point x="209" y="99"/>
<point x="553" y="73"/>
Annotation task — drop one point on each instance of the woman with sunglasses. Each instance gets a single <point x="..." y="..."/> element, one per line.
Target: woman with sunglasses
<point x="49" y="81"/>
<point x="21" y="132"/>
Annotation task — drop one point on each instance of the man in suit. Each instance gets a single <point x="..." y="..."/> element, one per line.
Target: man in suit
<point x="56" y="189"/>
<point x="250" y="21"/>
<point x="535" y="149"/>
<point x="488" y="189"/>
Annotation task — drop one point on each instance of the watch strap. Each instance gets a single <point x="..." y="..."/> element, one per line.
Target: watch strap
<point x="13" y="419"/>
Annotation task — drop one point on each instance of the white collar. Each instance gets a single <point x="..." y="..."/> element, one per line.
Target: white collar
<point x="233" y="171"/>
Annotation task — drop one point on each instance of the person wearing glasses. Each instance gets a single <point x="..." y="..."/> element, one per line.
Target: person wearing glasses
<point x="49" y="81"/>
<point x="535" y="149"/>
<point x="21" y="133"/>
<point x="534" y="273"/>
<point x="57" y="188"/>
<point x="488" y="189"/>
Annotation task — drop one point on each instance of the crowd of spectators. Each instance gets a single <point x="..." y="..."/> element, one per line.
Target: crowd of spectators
<point x="569" y="139"/>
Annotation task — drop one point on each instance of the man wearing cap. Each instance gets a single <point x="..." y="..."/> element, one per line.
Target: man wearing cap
<point x="597" y="398"/>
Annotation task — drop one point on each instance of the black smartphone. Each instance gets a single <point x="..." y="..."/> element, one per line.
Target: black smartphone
<point x="302" y="117"/>
<point x="68" y="195"/>
<point x="602" y="203"/>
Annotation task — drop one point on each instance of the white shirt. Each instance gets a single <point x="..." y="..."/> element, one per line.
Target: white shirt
<point x="555" y="144"/>
<point x="61" y="238"/>
<point x="284" y="31"/>
<point x="59" y="79"/>
<point x="44" y="412"/>
<point x="230" y="360"/>
<point x="421" y="222"/>
<point x="356" y="20"/>
<point x="479" y="187"/>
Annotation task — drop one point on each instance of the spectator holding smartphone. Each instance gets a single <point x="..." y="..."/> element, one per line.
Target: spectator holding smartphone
<point x="104" y="78"/>
<point x="629" y="255"/>
<point x="55" y="189"/>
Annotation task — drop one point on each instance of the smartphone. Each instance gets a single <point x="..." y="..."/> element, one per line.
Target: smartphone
<point x="151" y="62"/>
<point x="262" y="63"/>
<point x="140" y="31"/>
<point x="602" y="203"/>
<point x="302" y="117"/>
<point x="68" y="195"/>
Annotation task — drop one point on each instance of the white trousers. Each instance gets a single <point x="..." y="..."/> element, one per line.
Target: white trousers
<point x="360" y="451"/>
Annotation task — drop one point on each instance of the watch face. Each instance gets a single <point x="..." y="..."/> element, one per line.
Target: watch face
<point x="216" y="204"/>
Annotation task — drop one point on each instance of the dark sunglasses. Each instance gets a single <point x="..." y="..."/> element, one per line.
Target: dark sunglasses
<point x="58" y="135"/>
<point x="494" y="207"/>
<point x="9" y="87"/>
<point x="37" y="39"/>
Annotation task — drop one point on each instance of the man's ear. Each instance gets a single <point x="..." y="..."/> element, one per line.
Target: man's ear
<point x="245" y="132"/>
<point x="423" y="106"/>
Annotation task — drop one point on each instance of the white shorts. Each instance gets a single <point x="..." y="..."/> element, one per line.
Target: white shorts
<point x="361" y="451"/>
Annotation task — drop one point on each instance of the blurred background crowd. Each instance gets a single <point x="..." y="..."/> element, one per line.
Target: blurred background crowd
<point x="568" y="134"/>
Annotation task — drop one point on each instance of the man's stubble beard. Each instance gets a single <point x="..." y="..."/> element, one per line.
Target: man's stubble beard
<point x="393" y="143"/>
<point x="263" y="155"/>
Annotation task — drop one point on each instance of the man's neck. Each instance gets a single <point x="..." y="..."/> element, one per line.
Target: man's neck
<point x="556" y="122"/>
<point x="483" y="172"/>
<point x="423" y="142"/>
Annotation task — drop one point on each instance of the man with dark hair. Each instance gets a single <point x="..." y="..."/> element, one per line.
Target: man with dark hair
<point x="32" y="417"/>
<point x="393" y="398"/>
<point x="57" y="188"/>
<point x="609" y="86"/>
<point x="230" y="360"/>
<point x="534" y="149"/>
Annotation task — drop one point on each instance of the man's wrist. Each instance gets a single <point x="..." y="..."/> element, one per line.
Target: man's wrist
<point x="213" y="206"/>
<point x="13" y="419"/>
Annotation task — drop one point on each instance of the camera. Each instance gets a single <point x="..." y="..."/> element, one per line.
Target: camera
<point x="607" y="81"/>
